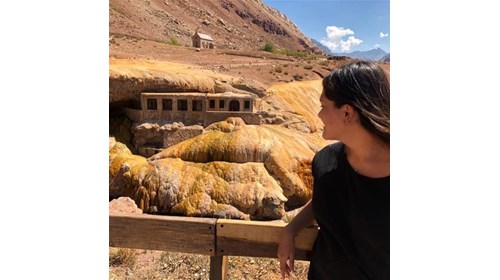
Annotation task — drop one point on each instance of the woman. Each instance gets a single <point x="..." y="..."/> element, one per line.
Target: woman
<point x="350" y="199"/>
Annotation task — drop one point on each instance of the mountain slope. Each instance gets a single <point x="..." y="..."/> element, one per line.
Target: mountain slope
<point x="386" y="58"/>
<point x="240" y="25"/>
<point x="324" y="48"/>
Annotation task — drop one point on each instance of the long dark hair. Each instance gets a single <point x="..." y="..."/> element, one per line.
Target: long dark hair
<point x="365" y="86"/>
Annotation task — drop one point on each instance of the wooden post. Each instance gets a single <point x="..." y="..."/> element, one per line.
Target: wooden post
<point x="218" y="266"/>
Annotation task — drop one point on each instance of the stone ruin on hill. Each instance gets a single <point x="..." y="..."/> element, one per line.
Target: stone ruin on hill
<point x="203" y="41"/>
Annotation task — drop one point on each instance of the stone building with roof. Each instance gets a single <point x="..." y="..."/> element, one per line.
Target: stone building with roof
<point x="194" y="107"/>
<point x="203" y="41"/>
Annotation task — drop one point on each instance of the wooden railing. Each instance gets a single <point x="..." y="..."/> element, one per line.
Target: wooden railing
<point x="217" y="238"/>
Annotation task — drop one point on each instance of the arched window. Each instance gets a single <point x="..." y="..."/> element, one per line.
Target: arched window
<point x="234" y="105"/>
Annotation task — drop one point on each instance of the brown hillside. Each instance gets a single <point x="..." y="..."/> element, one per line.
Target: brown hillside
<point x="237" y="25"/>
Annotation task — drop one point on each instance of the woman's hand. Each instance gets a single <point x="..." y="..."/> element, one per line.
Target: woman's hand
<point x="286" y="252"/>
<point x="286" y="247"/>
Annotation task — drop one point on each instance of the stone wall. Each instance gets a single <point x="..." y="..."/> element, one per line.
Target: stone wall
<point x="172" y="137"/>
<point x="148" y="138"/>
<point x="248" y="117"/>
<point x="133" y="114"/>
<point x="152" y="138"/>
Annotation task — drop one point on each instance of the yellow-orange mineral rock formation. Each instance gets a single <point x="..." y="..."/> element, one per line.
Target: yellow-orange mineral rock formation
<point x="231" y="170"/>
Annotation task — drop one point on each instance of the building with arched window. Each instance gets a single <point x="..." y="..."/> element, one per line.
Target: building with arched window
<point x="194" y="107"/>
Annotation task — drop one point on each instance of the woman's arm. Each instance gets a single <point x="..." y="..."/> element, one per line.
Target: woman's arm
<point x="286" y="248"/>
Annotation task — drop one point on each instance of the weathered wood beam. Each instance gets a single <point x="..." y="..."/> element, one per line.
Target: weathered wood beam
<point x="259" y="239"/>
<point x="163" y="233"/>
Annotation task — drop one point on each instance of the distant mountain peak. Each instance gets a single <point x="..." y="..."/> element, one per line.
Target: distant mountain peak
<point x="375" y="54"/>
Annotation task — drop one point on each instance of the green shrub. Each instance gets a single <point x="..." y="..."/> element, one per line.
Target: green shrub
<point x="312" y="57"/>
<point x="296" y="54"/>
<point x="173" y="41"/>
<point x="269" y="47"/>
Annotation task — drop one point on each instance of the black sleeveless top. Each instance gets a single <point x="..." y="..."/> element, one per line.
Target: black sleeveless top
<point x="352" y="212"/>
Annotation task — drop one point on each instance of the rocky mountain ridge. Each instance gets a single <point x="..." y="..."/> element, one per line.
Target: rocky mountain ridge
<point x="238" y="25"/>
<point x="376" y="54"/>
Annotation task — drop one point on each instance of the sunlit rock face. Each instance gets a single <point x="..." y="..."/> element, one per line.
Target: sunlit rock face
<point x="231" y="170"/>
<point x="219" y="189"/>
<point x="215" y="189"/>
<point x="129" y="77"/>
<point x="294" y="105"/>
<point x="286" y="154"/>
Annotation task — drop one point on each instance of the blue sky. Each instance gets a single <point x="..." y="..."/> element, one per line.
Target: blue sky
<point x="341" y="25"/>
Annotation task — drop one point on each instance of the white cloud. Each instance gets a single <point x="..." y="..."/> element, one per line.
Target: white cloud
<point x="382" y="34"/>
<point x="376" y="46"/>
<point x="351" y="41"/>
<point x="334" y="39"/>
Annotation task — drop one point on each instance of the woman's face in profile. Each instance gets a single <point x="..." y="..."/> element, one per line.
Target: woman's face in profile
<point x="332" y="118"/>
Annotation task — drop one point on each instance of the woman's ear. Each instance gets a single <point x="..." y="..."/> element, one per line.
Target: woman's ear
<point x="349" y="113"/>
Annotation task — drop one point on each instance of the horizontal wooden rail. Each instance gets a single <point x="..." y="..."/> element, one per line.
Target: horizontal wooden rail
<point x="217" y="238"/>
<point x="163" y="233"/>
<point x="259" y="239"/>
